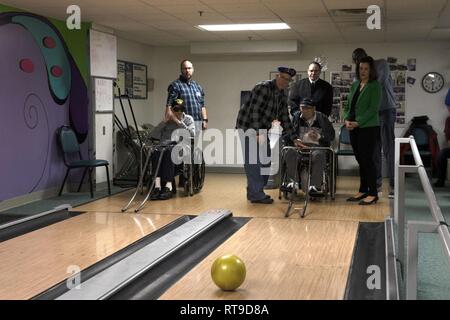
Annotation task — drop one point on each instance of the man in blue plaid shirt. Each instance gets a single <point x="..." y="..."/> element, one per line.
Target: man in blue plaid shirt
<point x="191" y="93"/>
<point x="267" y="105"/>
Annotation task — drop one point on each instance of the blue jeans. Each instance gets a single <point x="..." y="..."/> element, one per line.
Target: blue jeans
<point x="256" y="165"/>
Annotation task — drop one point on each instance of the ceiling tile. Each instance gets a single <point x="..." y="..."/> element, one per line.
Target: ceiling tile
<point x="351" y="4"/>
<point x="244" y="11"/>
<point x="320" y="38"/>
<point x="288" y="9"/>
<point x="163" y="21"/>
<point x="314" y="27"/>
<point x="431" y="8"/>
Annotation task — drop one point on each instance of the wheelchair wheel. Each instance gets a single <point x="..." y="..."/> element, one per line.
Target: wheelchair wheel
<point x="198" y="176"/>
<point x="188" y="187"/>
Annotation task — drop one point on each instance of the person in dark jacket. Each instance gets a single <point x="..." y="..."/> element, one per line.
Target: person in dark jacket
<point x="266" y="107"/>
<point x="444" y="154"/>
<point x="314" y="88"/>
<point x="314" y="130"/>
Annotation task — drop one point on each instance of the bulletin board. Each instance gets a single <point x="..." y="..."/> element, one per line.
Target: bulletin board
<point x="341" y="81"/>
<point x="131" y="79"/>
<point x="103" y="95"/>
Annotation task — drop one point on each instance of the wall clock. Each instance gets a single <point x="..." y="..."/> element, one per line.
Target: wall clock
<point x="432" y="82"/>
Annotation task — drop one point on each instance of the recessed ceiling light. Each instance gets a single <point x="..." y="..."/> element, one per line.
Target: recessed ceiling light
<point x="244" y="27"/>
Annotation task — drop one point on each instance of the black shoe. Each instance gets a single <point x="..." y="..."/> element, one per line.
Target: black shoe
<point x="391" y="195"/>
<point x="355" y="199"/>
<point x="266" y="200"/>
<point x="439" y="184"/>
<point x="165" y="194"/>
<point x="155" y="194"/>
<point x="181" y="180"/>
<point x="286" y="188"/>
<point x="366" y="203"/>
<point x="266" y="196"/>
<point x="314" y="192"/>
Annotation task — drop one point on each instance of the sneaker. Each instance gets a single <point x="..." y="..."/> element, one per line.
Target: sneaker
<point x="315" y="192"/>
<point x="286" y="188"/>
<point x="155" y="194"/>
<point x="379" y="192"/>
<point x="391" y="195"/>
<point x="165" y="194"/>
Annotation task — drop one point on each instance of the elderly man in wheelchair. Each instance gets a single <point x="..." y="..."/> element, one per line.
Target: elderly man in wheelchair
<point x="306" y="165"/>
<point x="165" y="136"/>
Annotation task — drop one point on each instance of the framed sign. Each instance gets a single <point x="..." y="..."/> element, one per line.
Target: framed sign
<point x="341" y="82"/>
<point x="103" y="95"/>
<point x="131" y="79"/>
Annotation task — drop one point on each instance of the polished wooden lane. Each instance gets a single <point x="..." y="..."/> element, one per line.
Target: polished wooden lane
<point x="285" y="259"/>
<point x="228" y="191"/>
<point x="36" y="261"/>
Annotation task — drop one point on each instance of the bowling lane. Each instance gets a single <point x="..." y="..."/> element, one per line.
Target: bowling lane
<point x="38" y="260"/>
<point x="285" y="259"/>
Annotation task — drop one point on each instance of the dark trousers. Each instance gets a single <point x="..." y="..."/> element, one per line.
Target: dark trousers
<point x="364" y="143"/>
<point x="166" y="169"/>
<point x="444" y="154"/>
<point x="257" y="172"/>
<point x="387" y="144"/>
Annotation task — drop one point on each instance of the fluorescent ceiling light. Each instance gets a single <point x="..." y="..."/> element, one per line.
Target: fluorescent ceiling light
<point x="244" y="27"/>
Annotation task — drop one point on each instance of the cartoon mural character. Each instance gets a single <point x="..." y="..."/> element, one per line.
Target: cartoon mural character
<point x="41" y="89"/>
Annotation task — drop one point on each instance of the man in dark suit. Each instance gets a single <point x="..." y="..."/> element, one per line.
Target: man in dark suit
<point x="314" y="88"/>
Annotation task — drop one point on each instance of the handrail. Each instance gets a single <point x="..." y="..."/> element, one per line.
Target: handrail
<point x="442" y="226"/>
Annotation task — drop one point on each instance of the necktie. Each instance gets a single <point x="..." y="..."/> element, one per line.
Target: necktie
<point x="313" y="87"/>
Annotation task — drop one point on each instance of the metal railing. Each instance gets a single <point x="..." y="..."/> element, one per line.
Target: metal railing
<point x="439" y="225"/>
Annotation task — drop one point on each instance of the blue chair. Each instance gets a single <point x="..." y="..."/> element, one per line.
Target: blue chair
<point x="423" y="145"/>
<point x="69" y="144"/>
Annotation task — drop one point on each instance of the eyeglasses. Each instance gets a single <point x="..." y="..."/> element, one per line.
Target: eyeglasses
<point x="177" y="110"/>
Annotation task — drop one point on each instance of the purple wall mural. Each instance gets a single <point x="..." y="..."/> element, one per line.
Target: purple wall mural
<point x="41" y="89"/>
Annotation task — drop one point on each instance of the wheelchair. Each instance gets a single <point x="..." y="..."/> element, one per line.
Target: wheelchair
<point x="304" y="163"/>
<point x="193" y="171"/>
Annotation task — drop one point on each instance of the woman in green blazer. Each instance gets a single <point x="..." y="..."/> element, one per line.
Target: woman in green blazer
<point x="361" y="119"/>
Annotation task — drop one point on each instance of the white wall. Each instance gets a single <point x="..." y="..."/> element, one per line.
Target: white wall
<point x="223" y="77"/>
<point x="138" y="53"/>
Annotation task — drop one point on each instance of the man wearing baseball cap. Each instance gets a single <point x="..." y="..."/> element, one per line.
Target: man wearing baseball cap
<point x="314" y="130"/>
<point x="267" y="104"/>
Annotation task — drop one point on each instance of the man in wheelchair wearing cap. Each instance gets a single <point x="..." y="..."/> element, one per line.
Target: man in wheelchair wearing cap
<point x="314" y="130"/>
<point x="163" y="134"/>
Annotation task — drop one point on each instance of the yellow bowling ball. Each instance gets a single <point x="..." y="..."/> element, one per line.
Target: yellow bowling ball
<point x="228" y="272"/>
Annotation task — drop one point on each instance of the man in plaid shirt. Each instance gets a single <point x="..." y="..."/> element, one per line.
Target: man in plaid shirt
<point x="267" y="105"/>
<point x="191" y="93"/>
